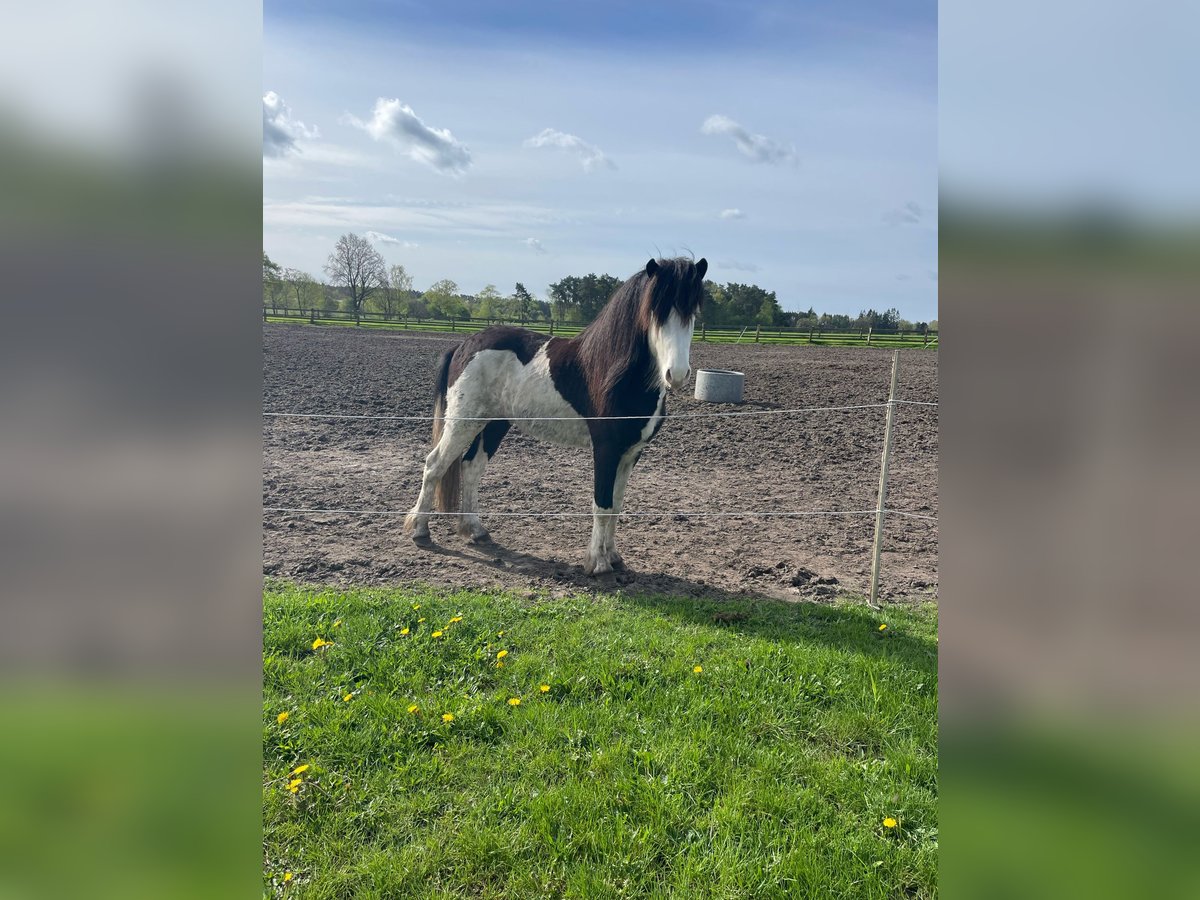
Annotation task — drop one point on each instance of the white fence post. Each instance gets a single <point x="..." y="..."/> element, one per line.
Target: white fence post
<point x="883" y="474"/>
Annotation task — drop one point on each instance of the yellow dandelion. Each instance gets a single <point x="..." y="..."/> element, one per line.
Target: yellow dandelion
<point x="697" y="669"/>
<point x="414" y="709"/>
<point x="420" y="620"/>
<point x="889" y="822"/>
<point x="499" y="634"/>
<point x="514" y="701"/>
<point x="416" y="606"/>
<point x="883" y="627"/>
<point x="436" y="634"/>
<point x="294" y="784"/>
<point x="347" y="698"/>
<point x="337" y="623"/>
<point x="447" y="717"/>
<point x="499" y="664"/>
<point x="287" y="876"/>
<point x="456" y="619"/>
<point x="282" y="717"/>
<point x="321" y="642"/>
<point x="299" y="769"/>
<point x="502" y="654"/>
<point x="545" y="688"/>
<point x="403" y="631"/>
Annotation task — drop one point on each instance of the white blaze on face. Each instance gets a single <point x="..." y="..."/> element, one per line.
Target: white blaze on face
<point x="671" y="343"/>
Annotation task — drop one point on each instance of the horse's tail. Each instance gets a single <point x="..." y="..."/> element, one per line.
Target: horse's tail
<point x="448" y="491"/>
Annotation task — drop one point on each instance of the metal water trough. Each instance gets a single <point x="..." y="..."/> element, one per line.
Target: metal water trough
<point x="719" y="385"/>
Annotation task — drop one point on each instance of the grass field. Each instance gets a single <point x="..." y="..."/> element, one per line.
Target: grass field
<point x="660" y="747"/>
<point x="769" y="335"/>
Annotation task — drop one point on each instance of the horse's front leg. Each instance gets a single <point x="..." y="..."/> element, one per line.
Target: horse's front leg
<point x="607" y="462"/>
<point x="624" y="470"/>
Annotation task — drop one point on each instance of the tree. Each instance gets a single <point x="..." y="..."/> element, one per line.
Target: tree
<point x="394" y="296"/>
<point x="329" y="298"/>
<point x="273" y="287"/>
<point x="581" y="299"/>
<point x="489" y="304"/>
<point x="443" y="300"/>
<point x="357" y="266"/>
<point x="303" y="289"/>
<point x="525" y="305"/>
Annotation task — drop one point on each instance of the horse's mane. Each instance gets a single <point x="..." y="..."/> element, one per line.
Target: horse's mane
<point x="616" y="343"/>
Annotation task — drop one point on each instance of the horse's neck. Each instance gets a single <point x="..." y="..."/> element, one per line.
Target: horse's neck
<point x="617" y="384"/>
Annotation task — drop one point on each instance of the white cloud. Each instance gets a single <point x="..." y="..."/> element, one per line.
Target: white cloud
<point x="908" y="214"/>
<point x="590" y="156"/>
<point x="757" y="147"/>
<point x="280" y="130"/>
<point x="378" y="237"/>
<point x="395" y="123"/>
<point x="737" y="266"/>
<point x="534" y="244"/>
<point x="732" y="214"/>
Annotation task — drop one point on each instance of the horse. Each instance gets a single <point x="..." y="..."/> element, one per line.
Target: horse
<point x="605" y="388"/>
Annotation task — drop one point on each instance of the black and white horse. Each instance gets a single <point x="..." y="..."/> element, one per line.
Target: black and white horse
<point x="622" y="364"/>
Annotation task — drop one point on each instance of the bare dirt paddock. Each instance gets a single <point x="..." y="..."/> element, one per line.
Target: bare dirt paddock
<point x="772" y="463"/>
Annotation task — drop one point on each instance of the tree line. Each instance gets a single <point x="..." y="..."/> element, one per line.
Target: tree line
<point x="360" y="281"/>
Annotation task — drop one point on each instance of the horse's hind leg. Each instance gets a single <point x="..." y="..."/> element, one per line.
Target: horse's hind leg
<point x="474" y="464"/>
<point x="455" y="440"/>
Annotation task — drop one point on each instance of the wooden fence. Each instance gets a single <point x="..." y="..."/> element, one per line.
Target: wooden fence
<point x="750" y="334"/>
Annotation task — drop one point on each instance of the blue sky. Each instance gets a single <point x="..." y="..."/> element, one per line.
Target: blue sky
<point x="794" y="145"/>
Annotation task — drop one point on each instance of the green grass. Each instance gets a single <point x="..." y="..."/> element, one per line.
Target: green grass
<point x="768" y="774"/>
<point x="712" y="336"/>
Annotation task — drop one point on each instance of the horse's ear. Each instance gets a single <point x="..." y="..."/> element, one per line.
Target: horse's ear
<point x="701" y="268"/>
<point x="651" y="268"/>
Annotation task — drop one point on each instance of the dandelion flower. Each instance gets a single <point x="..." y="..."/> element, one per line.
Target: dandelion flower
<point x="499" y="664"/>
<point x="889" y="822"/>
<point x="499" y="634"/>
<point x="347" y="698"/>
<point x="416" y="606"/>
<point x="502" y="654"/>
<point x="403" y="631"/>
<point x="294" y="784"/>
<point x="447" y="717"/>
<point x="321" y="642"/>
<point x="545" y="688"/>
<point x="287" y="876"/>
<point x="420" y="620"/>
<point x="299" y="769"/>
<point x="697" y="669"/>
<point x="456" y="619"/>
<point x="514" y="701"/>
<point x="414" y="709"/>
<point x="337" y="623"/>
<point x="436" y="634"/>
<point x="883" y="627"/>
<point x="282" y="717"/>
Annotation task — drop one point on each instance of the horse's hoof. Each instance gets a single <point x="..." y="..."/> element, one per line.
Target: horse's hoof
<point x="597" y="566"/>
<point x="422" y="540"/>
<point x="483" y="538"/>
<point x="614" y="560"/>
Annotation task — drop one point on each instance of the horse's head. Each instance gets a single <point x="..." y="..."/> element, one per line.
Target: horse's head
<point x="673" y="294"/>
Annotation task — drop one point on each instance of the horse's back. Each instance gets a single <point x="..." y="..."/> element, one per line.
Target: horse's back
<point x="521" y="342"/>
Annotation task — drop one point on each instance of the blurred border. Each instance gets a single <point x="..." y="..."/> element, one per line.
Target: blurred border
<point x="130" y="657"/>
<point x="1069" y="267"/>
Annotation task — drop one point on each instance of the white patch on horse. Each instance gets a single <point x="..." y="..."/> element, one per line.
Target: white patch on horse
<point x="539" y="397"/>
<point x="671" y="344"/>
